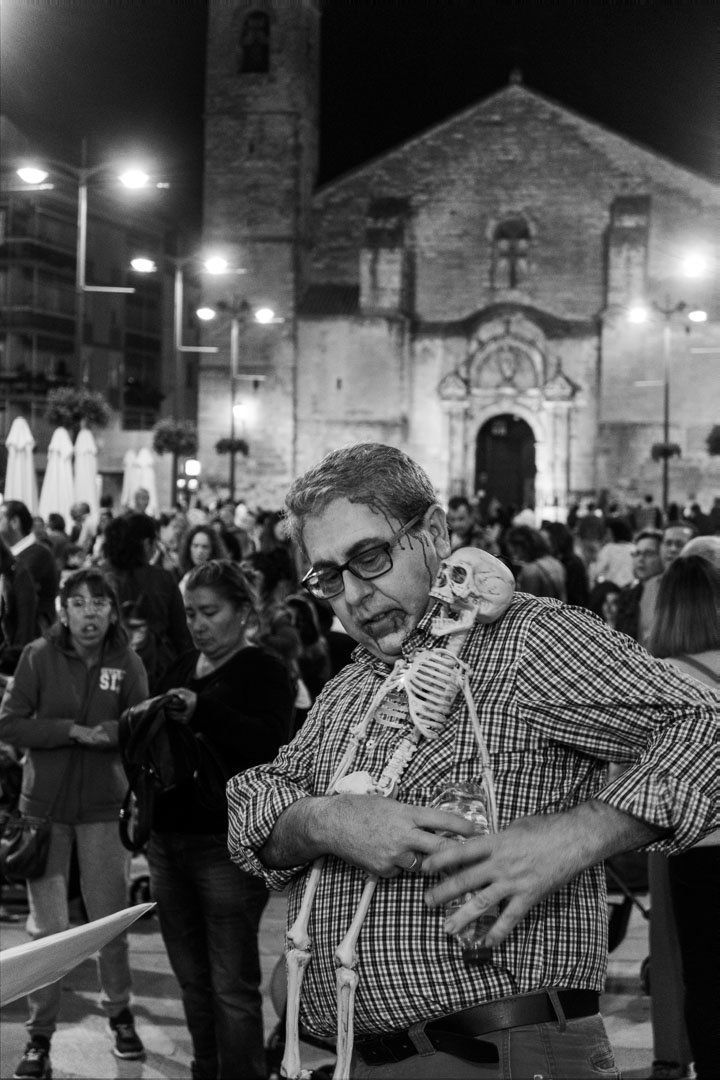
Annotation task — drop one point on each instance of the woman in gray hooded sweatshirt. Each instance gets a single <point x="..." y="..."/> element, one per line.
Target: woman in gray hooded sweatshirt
<point x="69" y="690"/>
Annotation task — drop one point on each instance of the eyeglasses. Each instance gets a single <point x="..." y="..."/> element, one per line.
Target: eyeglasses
<point x="96" y="604"/>
<point x="643" y="553"/>
<point x="327" y="581"/>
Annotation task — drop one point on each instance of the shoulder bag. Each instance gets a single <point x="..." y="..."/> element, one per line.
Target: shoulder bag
<point x="158" y="754"/>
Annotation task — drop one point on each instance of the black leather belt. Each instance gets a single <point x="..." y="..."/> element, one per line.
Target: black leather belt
<point x="458" y="1033"/>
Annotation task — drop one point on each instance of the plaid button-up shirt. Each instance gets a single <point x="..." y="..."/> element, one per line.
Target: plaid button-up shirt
<point x="558" y="695"/>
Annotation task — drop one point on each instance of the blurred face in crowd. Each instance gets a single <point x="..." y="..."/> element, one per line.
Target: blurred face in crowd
<point x="142" y="500"/>
<point x="610" y="608"/>
<point x="460" y="520"/>
<point x="8" y="530"/>
<point x="200" y="548"/>
<point x="226" y="514"/>
<point x="674" y="540"/>
<point x="217" y="626"/>
<point x="646" y="558"/>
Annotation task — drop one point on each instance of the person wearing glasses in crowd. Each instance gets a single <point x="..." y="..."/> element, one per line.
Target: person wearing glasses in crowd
<point x="63" y="708"/>
<point x="636" y="602"/>
<point x="558" y="696"/>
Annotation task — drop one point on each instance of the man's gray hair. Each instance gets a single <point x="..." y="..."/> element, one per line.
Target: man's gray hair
<point x="706" y="546"/>
<point x="382" y="477"/>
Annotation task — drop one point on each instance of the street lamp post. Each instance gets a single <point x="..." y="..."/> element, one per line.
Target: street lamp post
<point x="238" y="311"/>
<point x="81" y="175"/>
<point x="639" y="314"/>
<point x="667" y="310"/>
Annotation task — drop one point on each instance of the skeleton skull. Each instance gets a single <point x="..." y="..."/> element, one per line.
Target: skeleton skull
<point x="473" y="586"/>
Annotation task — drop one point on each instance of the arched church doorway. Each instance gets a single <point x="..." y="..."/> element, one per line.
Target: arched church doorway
<point x="505" y="461"/>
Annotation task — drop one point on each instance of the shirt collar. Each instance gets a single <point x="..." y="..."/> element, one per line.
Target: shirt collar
<point x="26" y="542"/>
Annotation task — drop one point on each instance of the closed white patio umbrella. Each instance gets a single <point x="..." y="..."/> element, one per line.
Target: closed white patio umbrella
<point x="20" y="479"/>
<point x="131" y="477"/>
<point x="56" y="494"/>
<point x="85" y="488"/>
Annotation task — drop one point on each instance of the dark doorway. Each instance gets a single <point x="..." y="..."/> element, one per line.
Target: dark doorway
<point x="505" y="461"/>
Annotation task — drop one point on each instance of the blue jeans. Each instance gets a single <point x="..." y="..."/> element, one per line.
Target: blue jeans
<point x="104" y="871"/>
<point x="209" y="918"/>
<point x="539" y="1052"/>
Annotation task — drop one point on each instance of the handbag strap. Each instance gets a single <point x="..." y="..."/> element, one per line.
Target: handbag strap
<point x="699" y="666"/>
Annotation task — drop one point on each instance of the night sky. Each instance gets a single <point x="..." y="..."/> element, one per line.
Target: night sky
<point x="129" y="74"/>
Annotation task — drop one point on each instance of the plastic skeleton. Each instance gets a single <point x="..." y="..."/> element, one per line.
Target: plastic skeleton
<point x="472" y="586"/>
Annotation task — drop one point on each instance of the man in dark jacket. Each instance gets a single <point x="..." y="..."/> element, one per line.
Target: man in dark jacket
<point x="16" y="526"/>
<point x="636" y="602"/>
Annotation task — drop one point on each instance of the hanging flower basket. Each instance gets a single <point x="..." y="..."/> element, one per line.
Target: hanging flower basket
<point x="665" y="450"/>
<point x="69" y="408"/>
<point x="232" y="446"/>
<point x="177" y="437"/>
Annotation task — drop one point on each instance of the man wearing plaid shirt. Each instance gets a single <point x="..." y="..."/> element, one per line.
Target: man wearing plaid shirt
<point x="558" y="695"/>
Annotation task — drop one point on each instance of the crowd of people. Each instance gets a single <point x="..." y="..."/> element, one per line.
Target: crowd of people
<point x="217" y="608"/>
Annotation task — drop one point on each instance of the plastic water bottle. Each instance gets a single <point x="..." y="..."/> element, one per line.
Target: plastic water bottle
<point x="469" y="801"/>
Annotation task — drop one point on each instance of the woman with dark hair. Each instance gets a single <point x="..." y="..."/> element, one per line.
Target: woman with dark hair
<point x="18" y="609"/>
<point x="313" y="659"/>
<point x="129" y="545"/>
<point x="69" y="690"/>
<point x="239" y="700"/>
<point x="603" y="601"/>
<point x="561" y="543"/>
<point x="201" y="544"/>
<point x="273" y="541"/>
<point x="536" y="570"/>
<point x="686" y="632"/>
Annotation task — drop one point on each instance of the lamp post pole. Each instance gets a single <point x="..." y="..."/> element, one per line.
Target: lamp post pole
<point x="234" y="361"/>
<point x="666" y="415"/>
<point x="80" y="261"/>
<point x="667" y="310"/>
<point x="238" y="311"/>
<point x="177" y="337"/>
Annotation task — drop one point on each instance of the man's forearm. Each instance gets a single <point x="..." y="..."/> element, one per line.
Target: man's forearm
<point x="611" y="831"/>
<point x="296" y="837"/>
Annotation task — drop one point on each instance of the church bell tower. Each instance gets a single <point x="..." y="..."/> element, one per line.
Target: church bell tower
<point x="261" y="150"/>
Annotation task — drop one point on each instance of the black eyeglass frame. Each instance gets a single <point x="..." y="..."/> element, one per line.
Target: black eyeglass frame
<point x="386" y="546"/>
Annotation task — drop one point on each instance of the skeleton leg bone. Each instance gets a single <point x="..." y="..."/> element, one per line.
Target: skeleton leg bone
<point x="298" y="952"/>
<point x="347" y="982"/>
<point x="296" y="960"/>
<point x="346" y="976"/>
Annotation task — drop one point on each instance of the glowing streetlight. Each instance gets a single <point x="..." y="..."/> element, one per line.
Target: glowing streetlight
<point x="638" y="314"/>
<point x="31" y="175"/>
<point x="134" y="178"/>
<point x="694" y="265"/>
<point x="207" y="314"/>
<point x="144" y="266"/>
<point x="216" y="264"/>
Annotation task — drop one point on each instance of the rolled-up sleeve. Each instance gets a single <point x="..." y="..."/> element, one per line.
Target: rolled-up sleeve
<point x="601" y="693"/>
<point x="257" y="798"/>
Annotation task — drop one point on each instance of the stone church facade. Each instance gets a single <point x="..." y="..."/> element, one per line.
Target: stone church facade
<point x="464" y="296"/>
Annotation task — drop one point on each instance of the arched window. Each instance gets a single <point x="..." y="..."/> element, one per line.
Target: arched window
<point x="511" y="242"/>
<point x="254" y="51"/>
